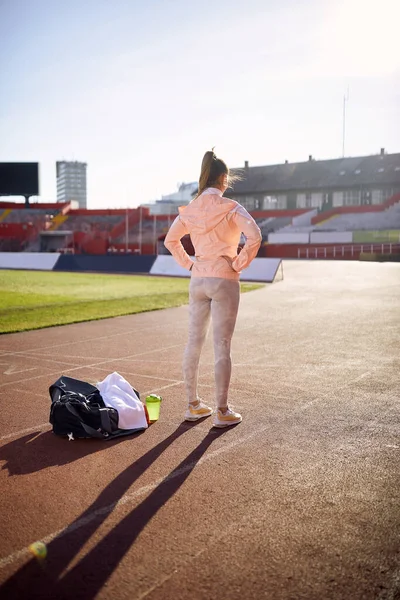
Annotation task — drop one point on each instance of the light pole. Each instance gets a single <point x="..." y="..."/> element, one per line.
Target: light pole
<point x="345" y="99"/>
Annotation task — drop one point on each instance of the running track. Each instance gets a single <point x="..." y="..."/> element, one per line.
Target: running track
<point x="300" y="501"/>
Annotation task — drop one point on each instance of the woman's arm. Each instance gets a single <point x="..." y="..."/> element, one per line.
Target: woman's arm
<point x="174" y="245"/>
<point x="249" y="227"/>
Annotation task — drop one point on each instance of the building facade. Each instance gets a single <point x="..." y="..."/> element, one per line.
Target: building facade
<point x="170" y="203"/>
<point x="71" y="182"/>
<point x="322" y="184"/>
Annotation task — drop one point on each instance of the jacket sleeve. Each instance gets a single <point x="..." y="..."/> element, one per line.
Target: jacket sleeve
<point x="250" y="229"/>
<point x="173" y="243"/>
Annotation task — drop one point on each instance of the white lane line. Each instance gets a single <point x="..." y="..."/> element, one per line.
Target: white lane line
<point x="164" y="387"/>
<point x="52" y="360"/>
<point x="300" y="408"/>
<point x="127" y="498"/>
<point x="92" y="365"/>
<point x="217" y="537"/>
<point x="135" y="331"/>
<point x="13" y="370"/>
<point x="328" y="393"/>
<point x="22" y="431"/>
<point x="145" y="376"/>
<point x="28" y="392"/>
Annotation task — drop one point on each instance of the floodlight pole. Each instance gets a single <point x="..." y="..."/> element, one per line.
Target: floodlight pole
<point x="345" y="99"/>
<point x="344" y="124"/>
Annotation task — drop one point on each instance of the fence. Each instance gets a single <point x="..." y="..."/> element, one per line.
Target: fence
<point x="348" y="251"/>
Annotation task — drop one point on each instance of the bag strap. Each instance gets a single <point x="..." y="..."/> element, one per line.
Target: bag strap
<point x="90" y="430"/>
<point x="105" y="420"/>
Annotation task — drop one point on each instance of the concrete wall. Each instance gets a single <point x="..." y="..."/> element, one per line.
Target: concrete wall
<point x="305" y="219"/>
<point x="53" y="261"/>
<point x="331" y="237"/>
<point x="288" y="238"/>
<point x="28" y="260"/>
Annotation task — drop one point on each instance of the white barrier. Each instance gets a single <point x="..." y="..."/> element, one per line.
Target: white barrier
<point x="28" y="260"/>
<point x="304" y="220"/>
<point x="288" y="238"/>
<point x="261" y="269"/>
<point x="331" y="237"/>
<point x="165" y="264"/>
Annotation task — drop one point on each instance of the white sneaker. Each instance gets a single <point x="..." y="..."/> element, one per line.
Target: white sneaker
<point x="194" y="413"/>
<point x="227" y="419"/>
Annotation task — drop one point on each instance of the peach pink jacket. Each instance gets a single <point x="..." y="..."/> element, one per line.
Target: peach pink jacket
<point x="214" y="224"/>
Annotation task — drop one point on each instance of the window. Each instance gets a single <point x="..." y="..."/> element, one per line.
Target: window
<point x="351" y="197"/>
<point x="342" y="173"/>
<point x="281" y="202"/>
<point x="274" y="202"/>
<point x="337" y="199"/>
<point x="381" y="170"/>
<point x="269" y="202"/>
<point x="357" y="171"/>
<point x="379" y="196"/>
<point x="309" y="200"/>
<point x="248" y="202"/>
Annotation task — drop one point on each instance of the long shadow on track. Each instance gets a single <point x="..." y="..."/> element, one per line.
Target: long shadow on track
<point x="40" y="450"/>
<point x="87" y="577"/>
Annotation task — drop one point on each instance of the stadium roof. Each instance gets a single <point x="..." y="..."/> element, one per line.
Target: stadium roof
<point x="382" y="170"/>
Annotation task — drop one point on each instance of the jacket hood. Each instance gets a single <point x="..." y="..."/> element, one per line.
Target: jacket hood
<point x="205" y="212"/>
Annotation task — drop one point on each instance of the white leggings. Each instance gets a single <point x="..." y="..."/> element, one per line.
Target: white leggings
<point x="219" y="298"/>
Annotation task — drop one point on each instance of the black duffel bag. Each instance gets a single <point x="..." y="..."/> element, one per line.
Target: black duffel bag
<point x="78" y="411"/>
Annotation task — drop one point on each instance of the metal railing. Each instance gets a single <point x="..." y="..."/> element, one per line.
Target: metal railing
<point x="348" y="250"/>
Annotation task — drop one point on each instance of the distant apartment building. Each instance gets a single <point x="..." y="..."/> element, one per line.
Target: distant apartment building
<point x="321" y="184"/>
<point x="71" y="182"/>
<point x="169" y="204"/>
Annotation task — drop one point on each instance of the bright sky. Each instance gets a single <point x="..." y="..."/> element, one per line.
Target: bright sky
<point x="140" y="90"/>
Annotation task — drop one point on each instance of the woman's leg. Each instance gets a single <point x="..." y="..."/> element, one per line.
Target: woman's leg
<point x="225" y="297"/>
<point x="199" y="320"/>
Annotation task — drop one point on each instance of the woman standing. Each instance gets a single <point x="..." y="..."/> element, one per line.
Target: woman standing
<point x="215" y="224"/>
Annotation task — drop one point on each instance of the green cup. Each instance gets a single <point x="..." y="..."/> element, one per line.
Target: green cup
<point x="153" y="403"/>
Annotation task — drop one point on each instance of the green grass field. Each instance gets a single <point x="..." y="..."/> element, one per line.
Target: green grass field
<point x="36" y="299"/>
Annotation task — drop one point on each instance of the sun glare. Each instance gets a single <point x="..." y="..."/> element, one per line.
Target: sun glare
<point x="361" y="38"/>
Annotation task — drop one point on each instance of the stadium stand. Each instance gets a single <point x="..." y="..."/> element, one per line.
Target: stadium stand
<point x="20" y="226"/>
<point x="272" y="224"/>
<point x="337" y="233"/>
<point x="88" y="222"/>
<point x="388" y="219"/>
<point x="353" y="218"/>
<point x="149" y="230"/>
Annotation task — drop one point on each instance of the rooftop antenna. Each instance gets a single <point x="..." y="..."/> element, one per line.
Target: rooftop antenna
<point x="345" y="99"/>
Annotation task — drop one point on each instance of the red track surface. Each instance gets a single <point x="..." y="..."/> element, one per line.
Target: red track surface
<point x="299" y="501"/>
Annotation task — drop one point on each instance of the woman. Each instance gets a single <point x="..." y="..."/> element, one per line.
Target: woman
<point x="215" y="224"/>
